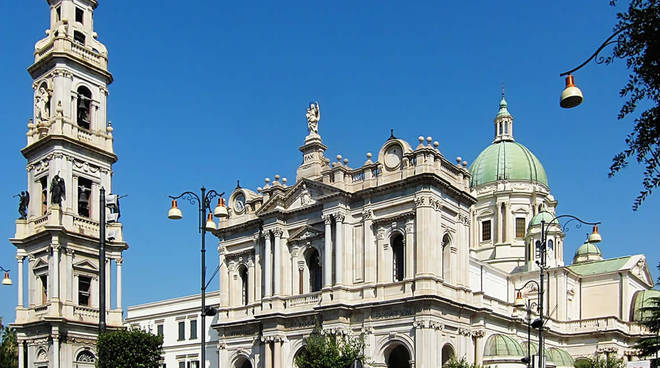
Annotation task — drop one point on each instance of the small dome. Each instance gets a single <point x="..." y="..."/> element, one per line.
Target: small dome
<point x="507" y="160"/>
<point x="504" y="111"/>
<point x="561" y="358"/>
<point x="588" y="251"/>
<point x="502" y="345"/>
<point x="534" y="349"/>
<point x="643" y="299"/>
<point x="541" y="216"/>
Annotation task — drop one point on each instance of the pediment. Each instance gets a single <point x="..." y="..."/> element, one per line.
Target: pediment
<point x="305" y="233"/>
<point x="305" y="193"/>
<point x="39" y="263"/>
<point x="85" y="265"/>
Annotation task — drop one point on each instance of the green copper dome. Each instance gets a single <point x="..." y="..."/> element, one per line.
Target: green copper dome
<point x="641" y="300"/>
<point x="588" y="248"/>
<point x="542" y="216"/>
<point x="502" y="345"/>
<point x="507" y="160"/>
<point x="561" y="358"/>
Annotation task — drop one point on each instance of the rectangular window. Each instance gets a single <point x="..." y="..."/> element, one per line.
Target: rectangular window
<point x="160" y="330"/>
<point x="84" y="285"/>
<point x="485" y="230"/>
<point x="84" y="192"/>
<point x="44" y="194"/>
<point x="44" y="289"/>
<point x="520" y="227"/>
<point x="182" y="330"/>
<point x="79" y="38"/>
<point x="182" y="364"/>
<point x="79" y="15"/>
<point x="193" y="329"/>
<point x="193" y="364"/>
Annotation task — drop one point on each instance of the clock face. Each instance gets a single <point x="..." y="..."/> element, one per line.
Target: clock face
<point x="393" y="156"/>
<point x="239" y="203"/>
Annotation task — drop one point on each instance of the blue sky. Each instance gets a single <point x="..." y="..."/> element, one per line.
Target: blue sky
<point x="216" y="91"/>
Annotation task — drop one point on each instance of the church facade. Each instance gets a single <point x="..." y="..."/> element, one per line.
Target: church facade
<point x="69" y="154"/>
<point x="424" y="257"/>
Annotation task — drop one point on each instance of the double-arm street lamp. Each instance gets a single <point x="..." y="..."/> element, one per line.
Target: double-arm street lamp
<point x="528" y="305"/>
<point x="571" y="96"/>
<point x="539" y="323"/>
<point x="6" y="280"/>
<point x="203" y="203"/>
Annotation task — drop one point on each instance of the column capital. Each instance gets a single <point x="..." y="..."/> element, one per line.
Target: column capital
<point x="340" y="216"/>
<point x="20" y="258"/>
<point x="119" y="261"/>
<point x="367" y="214"/>
<point x="327" y="218"/>
<point x="278" y="231"/>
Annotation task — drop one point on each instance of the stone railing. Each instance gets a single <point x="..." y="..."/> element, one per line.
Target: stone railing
<point x="62" y="125"/>
<point x="304" y="299"/>
<point x="63" y="44"/>
<point x="598" y="325"/>
<point x="84" y="313"/>
<point x="85" y="225"/>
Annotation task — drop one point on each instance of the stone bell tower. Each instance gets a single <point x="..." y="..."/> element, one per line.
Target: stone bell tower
<point x="69" y="155"/>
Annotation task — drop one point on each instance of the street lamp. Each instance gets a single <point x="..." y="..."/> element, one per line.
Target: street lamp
<point x="528" y="305"/>
<point x="203" y="203"/>
<point x="6" y="280"/>
<point x="571" y="96"/>
<point x="542" y="267"/>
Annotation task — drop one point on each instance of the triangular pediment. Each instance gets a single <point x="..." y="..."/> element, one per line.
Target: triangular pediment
<point x="85" y="265"/>
<point x="39" y="263"/>
<point x="305" y="193"/>
<point x="304" y="233"/>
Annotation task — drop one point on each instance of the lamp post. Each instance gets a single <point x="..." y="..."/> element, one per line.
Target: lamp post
<point x="543" y="267"/>
<point x="528" y="304"/>
<point x="6" y="280"/>
<point x="203" y="203"/>
<point x="571" y="96"/>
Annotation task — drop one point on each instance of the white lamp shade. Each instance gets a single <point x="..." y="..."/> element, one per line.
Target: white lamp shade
<point x="220" y="210"/>
<point x="210" y="224"/>
<point x="174" y="213"/>
<point x="6" y="280"/>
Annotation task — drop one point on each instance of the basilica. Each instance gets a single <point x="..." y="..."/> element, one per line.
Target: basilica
<point x="424" y="257"/>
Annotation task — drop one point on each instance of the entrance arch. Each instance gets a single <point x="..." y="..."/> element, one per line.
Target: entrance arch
<point x="242" y="362"/>
<point x="447" y="353"/>
<point x="397" y="357"/>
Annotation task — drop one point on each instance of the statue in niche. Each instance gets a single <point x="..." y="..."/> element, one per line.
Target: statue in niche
<point x="23" y="201"/>
<point x="57" y="189"/>
<point x="305" y="196"/>
<point x="42" y="105"/>
<point x="313" y="116"/>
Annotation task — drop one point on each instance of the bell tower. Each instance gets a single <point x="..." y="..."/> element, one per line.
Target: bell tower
<point x="69" y="155"/>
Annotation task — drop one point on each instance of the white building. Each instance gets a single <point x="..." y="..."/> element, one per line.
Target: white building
<point x="69" y="142"/>
<point x="421" y="255"/>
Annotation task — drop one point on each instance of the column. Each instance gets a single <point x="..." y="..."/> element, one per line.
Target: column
<point x="369" y="251"/>
<point x="20" y="354"/>
<point x="277" y="360"/>
<point x="251" y="285"/>
<point x="223" y="277"/>
<point x="410" y="249"/>
<point x="267" y="266"/>
<point x="327" y="252"/>
<point x="268" y="359"/>
<point x="277" y="262"/>
<point x="108" y="284"/>
<point x="20" y="289"/>
<point x="30" y="282"/>
<point x="55" y="281"/>
<point x="119" y="262"/>
<point x="258" y="270"/>
<point x="339" y="252"/>
<point x="423" y="237"/>
<point x="56" y="348"/>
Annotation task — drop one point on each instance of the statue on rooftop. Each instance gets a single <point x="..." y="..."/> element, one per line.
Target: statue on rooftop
<point x="23" y="201"/>
<point x="313" y="116"/>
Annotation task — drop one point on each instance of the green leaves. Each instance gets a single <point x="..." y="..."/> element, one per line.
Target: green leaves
<point x="463" y="363"/>
<point x="639" y="45"/>
<point x="129" y="349"/>
<point x="330" y="351"/>
<point x="8" y="348"/>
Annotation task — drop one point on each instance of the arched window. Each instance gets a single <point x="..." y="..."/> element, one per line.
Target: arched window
<point x="506" y="128"/>
<point x="503" y="221"/>
<point x="551" y="245"/>
<point x="242" y="362"/>
<point x="84" y="108"/>
<point x="313" y="262"/>
<point x="447" y="353"/>
<point x="85" y="356"/>
<point x="398" y="357"/>
<point x="538" y="249"/>
<point x="446" y="253"/>
<point x="398" y="256"/>
<point x="243" y="273"/>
